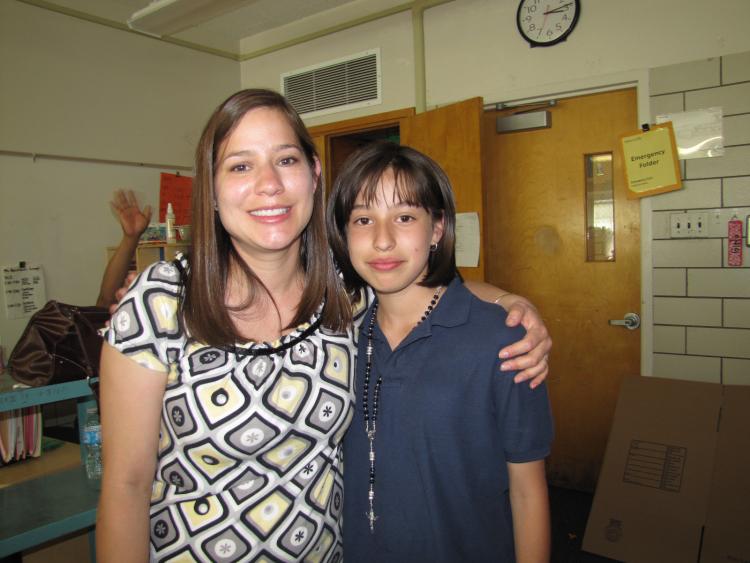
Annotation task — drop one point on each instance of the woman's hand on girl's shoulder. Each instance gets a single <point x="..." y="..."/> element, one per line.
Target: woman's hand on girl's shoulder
<point x="530" y="355"/>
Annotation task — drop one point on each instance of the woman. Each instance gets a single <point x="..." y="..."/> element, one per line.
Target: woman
<point x="444" y="460"/>
<point x="226" y="388"/>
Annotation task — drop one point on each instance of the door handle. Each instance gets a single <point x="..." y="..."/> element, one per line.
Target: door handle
<point x="631" y="321"/>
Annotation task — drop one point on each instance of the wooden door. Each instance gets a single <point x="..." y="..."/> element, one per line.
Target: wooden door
<point x="451" y="136"/>
<point x="536" y="246"/>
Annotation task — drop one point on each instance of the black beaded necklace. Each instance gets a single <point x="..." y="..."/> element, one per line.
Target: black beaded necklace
<point x="371" y="420"/>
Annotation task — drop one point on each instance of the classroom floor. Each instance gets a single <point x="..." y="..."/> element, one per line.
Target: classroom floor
<point x="569" y="511"/>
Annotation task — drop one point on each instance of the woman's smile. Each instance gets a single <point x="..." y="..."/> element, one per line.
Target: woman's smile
<point x="271" y="214"/>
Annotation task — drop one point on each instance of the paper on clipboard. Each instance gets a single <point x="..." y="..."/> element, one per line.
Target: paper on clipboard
<point x="698" y="133"/>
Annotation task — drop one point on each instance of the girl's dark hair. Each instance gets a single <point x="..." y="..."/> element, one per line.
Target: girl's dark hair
<point x="419" y="181"/>
<point x="212" y="255"/>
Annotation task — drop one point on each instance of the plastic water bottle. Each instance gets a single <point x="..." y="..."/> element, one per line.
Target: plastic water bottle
<point x="92" y="444"/>
<point x="170" y="219"/>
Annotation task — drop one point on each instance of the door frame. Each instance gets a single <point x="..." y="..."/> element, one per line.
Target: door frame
<point x="322" y="134"/>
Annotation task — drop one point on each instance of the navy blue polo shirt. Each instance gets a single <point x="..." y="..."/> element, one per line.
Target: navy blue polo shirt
<point x="448" y="422"/>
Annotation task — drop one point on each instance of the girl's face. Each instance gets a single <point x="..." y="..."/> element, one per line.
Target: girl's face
<point x="389" y="241"/>
<point x="264" y="184"/>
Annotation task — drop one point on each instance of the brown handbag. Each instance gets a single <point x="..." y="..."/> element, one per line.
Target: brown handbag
<point x="61" y="343"/>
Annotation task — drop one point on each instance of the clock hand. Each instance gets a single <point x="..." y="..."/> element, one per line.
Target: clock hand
<point x="563" y="8"/>
<point x="544" y="21"/>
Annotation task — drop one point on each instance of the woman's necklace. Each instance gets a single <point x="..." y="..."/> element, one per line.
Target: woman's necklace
<point x="371" y="419"/>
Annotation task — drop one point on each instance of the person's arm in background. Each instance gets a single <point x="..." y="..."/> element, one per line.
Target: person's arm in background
<point x="529" y="505"/>
<point x="133" y="221"/>
<point x="529" y="356"/>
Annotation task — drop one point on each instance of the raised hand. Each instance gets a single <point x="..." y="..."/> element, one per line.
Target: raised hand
<point x="132" y="219"/>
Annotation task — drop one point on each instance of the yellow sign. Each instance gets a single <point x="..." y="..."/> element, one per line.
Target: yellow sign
<point x="651" y="164"/>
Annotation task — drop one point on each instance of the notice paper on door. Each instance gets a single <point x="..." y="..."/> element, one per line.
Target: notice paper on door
<point x="23" y="286"/>
<point x="467" y="240"/>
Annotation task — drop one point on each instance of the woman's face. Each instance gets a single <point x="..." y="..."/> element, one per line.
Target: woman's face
<point x="264" y="185"/>
<point x="389" y="241"/>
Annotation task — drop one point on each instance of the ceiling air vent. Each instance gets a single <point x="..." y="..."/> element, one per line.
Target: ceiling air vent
<point x="339" y="85"/>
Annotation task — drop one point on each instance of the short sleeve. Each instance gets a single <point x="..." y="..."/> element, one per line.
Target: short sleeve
<point x="526" y="420"/>
<point x="146" y="325"/>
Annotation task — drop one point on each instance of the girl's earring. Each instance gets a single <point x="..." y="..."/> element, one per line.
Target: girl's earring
<point x="216" y="206"/>
<point x="433" y="247"/>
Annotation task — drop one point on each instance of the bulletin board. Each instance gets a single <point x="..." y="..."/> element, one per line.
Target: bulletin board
<point x="177" y="190"/>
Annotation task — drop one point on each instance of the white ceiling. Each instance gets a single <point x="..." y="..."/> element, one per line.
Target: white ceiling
<point x="252" y="18"/>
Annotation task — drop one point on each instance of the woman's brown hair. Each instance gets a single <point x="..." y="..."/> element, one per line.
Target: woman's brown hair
<point x="212" y="255"/>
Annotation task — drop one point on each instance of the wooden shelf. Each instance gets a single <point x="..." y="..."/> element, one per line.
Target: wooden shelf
<point x="149" y="252"/>
<point x="67" y="456"/>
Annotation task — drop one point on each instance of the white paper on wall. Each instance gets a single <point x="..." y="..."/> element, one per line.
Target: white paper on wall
<point x="698" y="133"/>
<point x="23" y="286"/>
<point x="467" y="240"/>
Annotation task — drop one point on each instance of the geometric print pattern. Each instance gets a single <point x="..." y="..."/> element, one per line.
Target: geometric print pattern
<point x="249" y="459"/>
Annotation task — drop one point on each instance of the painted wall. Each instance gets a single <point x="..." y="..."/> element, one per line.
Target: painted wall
<point x="75" y="88"/>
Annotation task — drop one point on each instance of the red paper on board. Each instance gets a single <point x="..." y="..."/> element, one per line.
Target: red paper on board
<point x="175" y="189"/>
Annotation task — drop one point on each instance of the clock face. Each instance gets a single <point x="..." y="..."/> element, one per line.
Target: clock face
<point x="547" y="22"/>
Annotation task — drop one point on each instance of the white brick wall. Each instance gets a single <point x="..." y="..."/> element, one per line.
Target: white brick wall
<point x="701" y="306"/>
<point x="685" y="76"/>
<point x="693" y="368"/>
<point x="735" y="372"/>
<point x="695" y="194"/>
<point x="688" y="312"/>
<point x="669" y="339"/>
<point x="670" y="281"/>
<point x="737" y="191"/>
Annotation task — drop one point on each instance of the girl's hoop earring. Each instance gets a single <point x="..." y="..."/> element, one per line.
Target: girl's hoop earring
<point x="433" y="247"/>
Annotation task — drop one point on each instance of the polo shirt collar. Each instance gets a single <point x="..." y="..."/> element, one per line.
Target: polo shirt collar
<point x="452" y="310"/>
<point x="453" y="307"/>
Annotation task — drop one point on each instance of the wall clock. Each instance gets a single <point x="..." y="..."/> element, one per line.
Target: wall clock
<point x="547" y="22"/>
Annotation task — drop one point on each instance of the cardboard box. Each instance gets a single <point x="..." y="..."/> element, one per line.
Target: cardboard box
<point x="675" y="483"/>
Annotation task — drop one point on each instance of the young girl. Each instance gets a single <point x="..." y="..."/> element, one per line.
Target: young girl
<point x="444" y="460"/>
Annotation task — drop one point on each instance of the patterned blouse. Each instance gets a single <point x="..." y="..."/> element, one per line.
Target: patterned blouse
<point x="249" y="459"/>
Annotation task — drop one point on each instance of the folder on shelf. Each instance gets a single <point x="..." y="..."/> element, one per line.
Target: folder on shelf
<point x="20" y="434"/>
